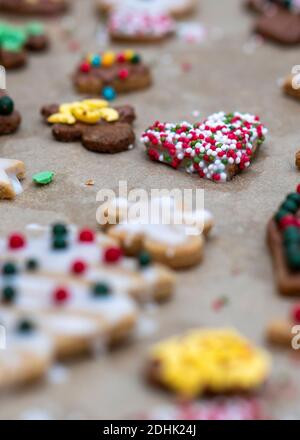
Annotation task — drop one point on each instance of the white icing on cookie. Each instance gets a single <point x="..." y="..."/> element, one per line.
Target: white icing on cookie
<point x="161" y="221"/>
<point x="11" y="171"/>
<point x="122" y="277"/>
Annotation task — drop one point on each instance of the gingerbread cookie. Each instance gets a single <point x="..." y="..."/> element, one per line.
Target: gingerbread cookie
<point x="93" y="258"/>
<point x="140" y="25"/>
<point x="208" y="361"/>
<point x="10" y="119"/>
<point x="110" y="73"/>
<point x="100" y="128"/>
<point x="75" y="314"/>
<point x="178" y="244"/>
<point x="283" y="235"/>
<point x="34" y="7"/>
<point x="216" y="149"/>
<point x="280" y="332"/>
<point x="16" y="41"/>
<point x="177" y="8"/>
<point x="28" y="352"/>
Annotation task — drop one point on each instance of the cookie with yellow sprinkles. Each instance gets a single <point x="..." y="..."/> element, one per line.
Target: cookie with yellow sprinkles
<point x="109" y="73"/>
<point x="99" y="127"/>
<point x="213" y="361"/>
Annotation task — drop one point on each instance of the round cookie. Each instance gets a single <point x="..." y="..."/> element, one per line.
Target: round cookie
<point x="122" y="72"/>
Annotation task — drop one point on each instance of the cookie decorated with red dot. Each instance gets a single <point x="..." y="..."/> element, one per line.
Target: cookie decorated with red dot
<point x="108" y="73"/>
<point x="171" y="243"/>
<point x="216" y="149"/>
<point x="75" y="288"/>
<point x="86" y="256"/>
<point x="283" y="234"/>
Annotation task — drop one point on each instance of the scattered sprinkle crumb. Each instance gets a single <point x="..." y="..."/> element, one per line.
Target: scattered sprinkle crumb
<point x="74" y="46"/>
<point x="186" y="67"/>
<point x="219" y="303"/>
<point x="90" y="182"/>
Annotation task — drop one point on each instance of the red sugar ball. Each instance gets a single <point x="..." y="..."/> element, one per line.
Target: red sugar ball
<point x="123" y="74"/>
<point x="61" y="295"/>
<point x="113" y="255"/>
<point x="86" y="236"/>
<point x="85" y="67"/>
<point x="16" y="241"/>
<point x="78" y="267"/>
<point x="296" y="313"/>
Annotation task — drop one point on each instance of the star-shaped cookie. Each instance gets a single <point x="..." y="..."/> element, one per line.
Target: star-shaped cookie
<point x="11" y="172"/>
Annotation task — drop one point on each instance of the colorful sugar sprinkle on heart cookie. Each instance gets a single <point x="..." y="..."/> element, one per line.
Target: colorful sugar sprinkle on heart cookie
<point x="216" y="149"/>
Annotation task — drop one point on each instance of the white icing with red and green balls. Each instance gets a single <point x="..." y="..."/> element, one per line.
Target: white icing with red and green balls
<point x="210" y="148"/>
<point x="140" y="23"/>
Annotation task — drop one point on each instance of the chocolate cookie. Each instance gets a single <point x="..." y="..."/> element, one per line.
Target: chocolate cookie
<point x="34" y="7"/>
<point x="109" y="73"/>
<point x="281" y="26"/>
<point x="99" y="128"/>
<point x="9" y="118"/>
<point x="16" y="41"/>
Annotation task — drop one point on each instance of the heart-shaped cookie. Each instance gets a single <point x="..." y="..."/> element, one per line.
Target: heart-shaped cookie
<point x="217" y="148"/>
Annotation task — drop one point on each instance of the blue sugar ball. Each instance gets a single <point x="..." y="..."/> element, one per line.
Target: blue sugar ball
<point x="109" y="93"/>
<point x="96" y="61"/>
